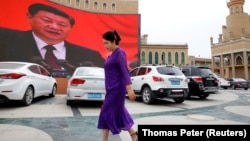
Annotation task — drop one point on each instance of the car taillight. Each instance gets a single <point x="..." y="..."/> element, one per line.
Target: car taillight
<point x="76" y="82"/>
<point x="12" y="75"/>
<point x="197" y="78"/>
<point x="157" y="78"/>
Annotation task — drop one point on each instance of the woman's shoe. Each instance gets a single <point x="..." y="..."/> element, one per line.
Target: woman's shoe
<point x="134" y="134"/>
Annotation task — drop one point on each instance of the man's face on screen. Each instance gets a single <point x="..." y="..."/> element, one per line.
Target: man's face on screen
<point x="50" y="27"/>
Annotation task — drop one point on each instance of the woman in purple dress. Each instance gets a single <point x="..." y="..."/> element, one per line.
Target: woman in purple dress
<point x="114" y="116"/>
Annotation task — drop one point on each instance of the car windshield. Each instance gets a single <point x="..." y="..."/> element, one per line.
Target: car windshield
<point x="11" y="65"/>
<point x="239" y="79"/>
<point x="90" y="72"/>
<point x="169" y="71"/>
<point x="205" y="71"/>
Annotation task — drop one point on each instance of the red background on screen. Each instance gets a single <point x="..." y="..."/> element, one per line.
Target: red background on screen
<point x="88" y="29"/>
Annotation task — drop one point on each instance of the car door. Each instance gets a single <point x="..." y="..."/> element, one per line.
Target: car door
<point x="47" y="79"/>
<point x="137" y="77"/>
<point x="37" y="80"/>
<point x="133" y="75"/>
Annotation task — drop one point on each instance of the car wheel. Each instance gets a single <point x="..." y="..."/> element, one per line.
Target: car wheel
<point x="179" y="100"/>
<point x="225" y="88"/>
<point x="147" y="95"/>
<point x="203" y="95"/>
<point x="246" y="88"/>
<point x="28" y="96"/>
<point x="53" y="92"/>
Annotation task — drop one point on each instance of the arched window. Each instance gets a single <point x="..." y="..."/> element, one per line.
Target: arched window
<point x="238" y="60"/>
<point x="113" y="7"/>
<point x="150" y="58"/>
<point x="143" y="57"/>
<point x="182" y="58"/>
<point x="95" y="5"/>
<point x="163" y="58"/>
<point x="77" y="3"/>
<point x="156" y="58"/>
<point x="169" y="58"/>
<point x="86" y="4"/>
<point x="104" y="7"/>
<point x="176" y="58"/>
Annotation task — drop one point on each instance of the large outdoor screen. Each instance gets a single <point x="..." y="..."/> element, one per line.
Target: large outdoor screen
<point x="86" y="32"/>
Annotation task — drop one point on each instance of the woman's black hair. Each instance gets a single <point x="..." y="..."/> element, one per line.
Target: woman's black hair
<point x="112" y="36"/>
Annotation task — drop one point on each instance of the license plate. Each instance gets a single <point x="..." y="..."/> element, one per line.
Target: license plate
<point x="175" y="82"/>
<point x="94" y="95"/>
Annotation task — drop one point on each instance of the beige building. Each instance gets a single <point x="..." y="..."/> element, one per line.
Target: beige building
<point x="102" y="6"/>
<point x="231" y="55"/>
<point x="197" y="61"/>
<point x="171" y="54"/>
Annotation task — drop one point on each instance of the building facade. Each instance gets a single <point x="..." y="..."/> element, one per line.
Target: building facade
<point x="102" y="6"/>
<point x="198" y="61"/>
<point x="170" y="54"/>
<point x="231" y="55"/>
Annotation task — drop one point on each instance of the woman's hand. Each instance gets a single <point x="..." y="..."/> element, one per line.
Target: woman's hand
<point x="131" y="96"/>
<point x="131" y="93"/>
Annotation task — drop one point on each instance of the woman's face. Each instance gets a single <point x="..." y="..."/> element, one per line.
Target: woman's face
<point x="110" y="46"/>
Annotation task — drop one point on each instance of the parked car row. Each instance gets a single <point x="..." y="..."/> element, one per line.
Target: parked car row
<point x="233" y="83"/>
<point x="25" y="81"/>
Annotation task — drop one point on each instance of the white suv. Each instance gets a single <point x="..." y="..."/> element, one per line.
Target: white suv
<point x="159" y="81"/>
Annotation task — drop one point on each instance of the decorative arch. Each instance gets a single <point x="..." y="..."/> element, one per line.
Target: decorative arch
<point x="176" y="58"/>
<point x="238" y="60"/>
<point x="86" y="5"/>
<point x="150" y="58"/>
<point x="183" y="58"/>
<point x="163" y="57"/>
<point x="113" y="7"/>
<point x="169" y="58"/>
<point x="104" y="6"/>
<point x="156" y="58"/>
<point x="95" y="5"/>
<point x="143" y="57"/>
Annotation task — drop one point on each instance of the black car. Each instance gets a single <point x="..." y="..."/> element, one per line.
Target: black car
<point x="238" y="83"/>
<point x="202" y="81"/>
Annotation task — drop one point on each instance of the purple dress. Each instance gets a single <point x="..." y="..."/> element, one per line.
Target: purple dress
<point x="114" y="115"/>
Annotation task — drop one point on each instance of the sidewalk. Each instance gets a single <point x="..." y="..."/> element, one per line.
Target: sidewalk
<point x="55" y="121"/>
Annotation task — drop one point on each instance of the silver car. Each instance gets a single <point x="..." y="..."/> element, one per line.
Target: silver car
<point x="86" y="83"/>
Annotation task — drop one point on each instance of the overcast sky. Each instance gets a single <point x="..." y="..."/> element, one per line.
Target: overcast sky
<point x="185" y="21"/>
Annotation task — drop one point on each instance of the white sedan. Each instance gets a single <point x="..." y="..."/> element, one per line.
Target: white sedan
<point x="223" y="83"/>
<point x="86" y="83"/>
<point x="25" y="81"/>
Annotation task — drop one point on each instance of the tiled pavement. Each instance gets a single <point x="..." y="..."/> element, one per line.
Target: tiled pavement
<point x="50" y="119"/>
